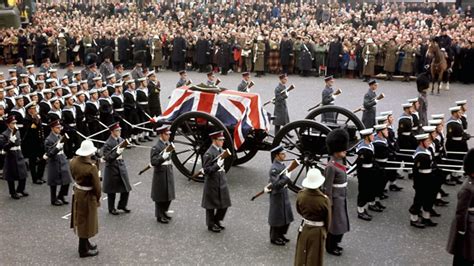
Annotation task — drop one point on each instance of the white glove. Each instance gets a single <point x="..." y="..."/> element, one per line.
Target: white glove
<point x="287" y="174"/>
<point x="60" y="146"/>
<point x="266" y="189"/>
<point x="220" y="162"/>
<point x="166" y="155"/>
<point x="45" y="157"/>
<point x="376" y="101"/>
<point x="334" y="96"/>
<point x="119" y="150"/>
<point x="461" y="233"/>
<point x="13" y="139"/>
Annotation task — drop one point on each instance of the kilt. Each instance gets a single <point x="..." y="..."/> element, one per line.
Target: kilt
<point x="274" y="61"/>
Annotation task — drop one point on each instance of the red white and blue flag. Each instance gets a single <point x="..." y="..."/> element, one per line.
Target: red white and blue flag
<point x="241" y="110"/>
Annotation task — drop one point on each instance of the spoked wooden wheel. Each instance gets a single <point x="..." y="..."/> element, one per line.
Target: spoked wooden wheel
<point x="190" y="134"/>
<point x="304" y="140"/>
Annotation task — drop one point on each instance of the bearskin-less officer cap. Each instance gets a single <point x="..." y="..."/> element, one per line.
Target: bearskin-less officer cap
<point x="337" y="140"/>
<point x="469" y="162"/>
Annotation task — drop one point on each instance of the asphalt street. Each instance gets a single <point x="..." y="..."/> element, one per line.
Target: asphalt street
<point x="34" y="232"/>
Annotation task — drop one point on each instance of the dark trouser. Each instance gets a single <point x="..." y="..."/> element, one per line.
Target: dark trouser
<point x="365" y="187"/>
<point x="224" y="70"/>
<point x="122" y="202"/>
<point x="161" y="208"/>
<point x="84" y="245"/>
<point x="62" y="192"/>
<point x="214" y="216"/>
<point x="332" y="241"/>
<point x="20" y="188"/>
<point x="37" y="166"/>
<point x="285" y="69"/>
<point x="424" y="197"/>
<point x="459" y="260"/>
<point x="177" y="66"/>
<point x="277" y="128"/>
<point x="202" y="68"/>
<point x="381" y="180"/>
<point x="278" y="232"/>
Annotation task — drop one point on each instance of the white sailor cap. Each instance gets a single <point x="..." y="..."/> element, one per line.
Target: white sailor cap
<point x="83" y="82"/>
<point x="100" y="90"/>
<point x="387" y="113"/>
<point x="79" y="93"/>
<point x="23" y="75"/>
<point x="72" y="85"/>
<point x="462" y="102"/>
<point x="12" y="78"/>
<point x="39" y="82"/>
<point x="30" y="104"/>
<point x="50" y="80"/>
<point x="52" y="100"/>
<point x="47" y="91"/>
<point x="110" y="76"/>
<point x="3" y="81"/>
<point x="380" y="127"/>
<point x="455" y="109"/>
<point x="381" y="118"/>
<point x="92" y="91"/>
<point x="30" y="66"/>
<point x="1" y="73"/>
<point x="413" y="100"/>
<point x="11" y="70"/>
<point x="64" y="77"/>
<point x="52" y="70"/>
<point x="23" y="85"/>
<point x="406" y="105"/>
<point x="429" y="129"/>
<point x="141" y="79"/>
<point x="422" y="136"/>
<point x="118" y="84"/>
<point x="35" y="93"/>
<point x="129" y="81"/>
<point x="76" y="72"/>
<point x="56" y="88"/>
<point x="366" y="132"/>
<point x="126" y="75"/>
<point x="18" y="97"/>
<point x="435" y="122"/>
<point x="437" y="116"/>
<point x="150" y="73"/>
<point x="97" y="78"/>
<point x="7" y="88"/>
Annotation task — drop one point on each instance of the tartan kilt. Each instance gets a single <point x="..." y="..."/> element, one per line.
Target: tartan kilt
<point x="274" y="61"/>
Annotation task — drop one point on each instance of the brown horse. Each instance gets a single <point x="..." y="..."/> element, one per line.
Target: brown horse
<point x="438" y="65"/>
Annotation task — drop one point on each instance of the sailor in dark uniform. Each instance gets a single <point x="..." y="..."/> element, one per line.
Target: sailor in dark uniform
<point x="280" y="213"/>
<point x="80" y="104"/>
<point x="415" y="105"/>
<point x="335" y="187"/>
<point x="69" y="115"/>
<point x="406" y="139"/>
<point x="183" y="79"/>
<point x="131" y="110"/>
<point x="106" y="110"/>
<point x="55" y="112"/>
<point x="92" y="113"/>
<point x="154" y="89"/>
<point x="19" y="112"/>
<point x="425" y="188"/>
<point x="366" y="174"/>
<point x="110" y="83"/>
<point x="392" y="175"/>
<point x="463" y="105"/>
<point x="370" y="101"/>
<point x="216" y="197"/>
<point x="456" y="138"/>
<point x="144" y="109"/>
<point x="328" y="98"/>
<point x="244" y="84"/>
<point x="381" y="154"/>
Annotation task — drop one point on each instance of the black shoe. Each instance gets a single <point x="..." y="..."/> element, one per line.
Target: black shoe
<point x="125" y="209"/>
<point x="383" y="196"/>
<point x="24" y="194"/>
<point x="375" y="208"/>
<point x="64" y="201"/>
<point x="38" y="182"/>
<point x="286" y="240"/>
<point x="167" y="216"/>
<point x="89" y="253"/>
<point x="218" y="224"/>
<point x="450" y="183"/>
<point x="428" y="222"/>
<point x="114" y="212"/>
<point x="15" y="196"/>
<point x="162" y="220"/>
<point x="278" y="242"/>
<point x="380" y="205"/>
<point x="441" y="202"/>
<point x="148" y="138"/>
<point x="395" y="188"/>
<point x="417" y="224"/>
<point x="339" y="247"/>
<point x="335" y="252"/>
<point x="214" y="228"/>
<point x="57" y="203"/>
<point x="364" y="216"/>
<point x="433" y="213"/>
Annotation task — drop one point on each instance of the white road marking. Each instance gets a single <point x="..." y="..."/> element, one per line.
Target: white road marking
<point x="138" y="183"/>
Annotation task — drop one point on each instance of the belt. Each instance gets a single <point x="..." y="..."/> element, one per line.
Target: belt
<point x="424" y="171"/>
<point x="83" y="188"/>
<point x="313" y="223"/>
<point x="142" y="103"/>
<point x="167" y="162"/>
<point x="119" y="110"/>
<point x="367" y="165"/>
<point x="406" y="133"/>
<point x="72" y="125"/>
<point x="15" y="148"/>
<point x="340" y="185"/>
<point x="19" y="125"/>
<point x="382" y="160"/>
<point x="61" y="152"/>
<point x="457" y="138"/>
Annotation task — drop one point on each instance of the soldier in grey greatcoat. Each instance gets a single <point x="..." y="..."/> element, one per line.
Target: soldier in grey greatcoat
<point x="281" y="110"/>
<point x="280" y="213"/>
<point x="461" y="235"/>
<point x="58" y="169"/>
<point x="14" y="168"/>
<point x="115" y="172"/>
<point x="243" y="86"/>
<point x="162" y="186"/>
<point x="216" y="197"/>
<point x="328" y="99"/>
<point x="335" y="187"/>
<point x="368" y="116"/>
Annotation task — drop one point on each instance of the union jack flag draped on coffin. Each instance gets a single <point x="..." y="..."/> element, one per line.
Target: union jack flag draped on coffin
<point x="241" y="110"/>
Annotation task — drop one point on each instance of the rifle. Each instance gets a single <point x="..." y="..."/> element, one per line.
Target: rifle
<point x="249" y="85"/>
<point x="62" y="139"/>
<point x="223" y="156"/>
<point x="295" y="163"/>
<point x="217" y="82"/>
<point x="168" y="148"/>
<point x="378" y="98"/>
<point x="336" y="93"/>
<point x="292" y="87"/>
<point x="121" y="145"/>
